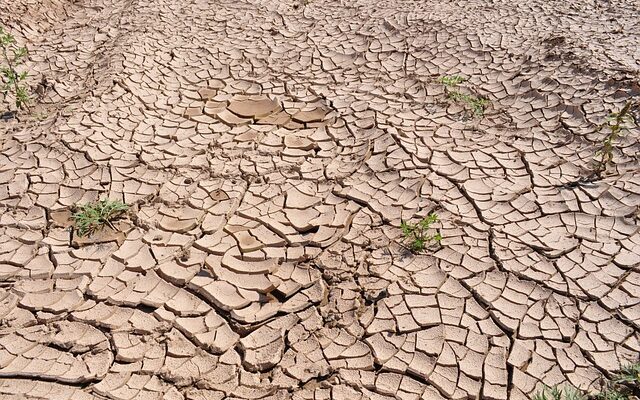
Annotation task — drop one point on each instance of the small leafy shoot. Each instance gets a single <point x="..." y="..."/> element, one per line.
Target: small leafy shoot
<point x="451" y="80"/>
<point x="418" y="234"/>
<point x="623" y="386"/>
<point x="94" y="216"/>
<point x="612" y="394"/>
<point x="12" y="81"/>
<point x="556" y="393"/>
<point x="475" y="103"/>
<point x="629" y="374"/>
<point x="617" y="123"/>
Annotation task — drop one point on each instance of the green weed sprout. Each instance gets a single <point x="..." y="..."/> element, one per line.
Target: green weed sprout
<point x="12" y="80"/>
<point x="617" y="124"/>
<point x="418" y="234"/>
<point x="93" y="216"/>
<point x="477" y="104"/>
<point x="555" y="393"/>
<point x="451" y="80"/>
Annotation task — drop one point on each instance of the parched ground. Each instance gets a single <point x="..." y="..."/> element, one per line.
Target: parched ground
<point x="269" y="150"/>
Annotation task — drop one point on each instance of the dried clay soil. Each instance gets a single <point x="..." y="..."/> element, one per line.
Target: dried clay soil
<point x="269" y="151"/>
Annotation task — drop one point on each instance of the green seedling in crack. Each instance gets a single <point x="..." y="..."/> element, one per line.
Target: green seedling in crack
<point x="12" y="81"/>
<point x="625" y="385"/>
<point x="451" y="80"/>
<point x="94" y="216"/>
<point x="418" y="234"/>
<point x="555" y="393"/>
<point x="612" y="394"/>
<point x="617" y="124"/>
<point x="475" y="103"/>
<point x="629" y="375"/>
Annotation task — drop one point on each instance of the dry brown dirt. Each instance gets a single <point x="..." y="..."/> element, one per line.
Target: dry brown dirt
<point x="269" y="150"/>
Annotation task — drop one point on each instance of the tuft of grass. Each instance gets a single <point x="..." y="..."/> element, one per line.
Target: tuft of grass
<point x="418" y="234"/>
<point x="475" y="103"/>
<point x="612" y="394"/>
<point x="629" y="374"/>
<point x="621" y="387"/>
<point x="94" y="216"/>
<point x="10" y="79"/>
<point x="556" y="393"/>
<point x="451" y="80"/>
<point x="617" y="123"/>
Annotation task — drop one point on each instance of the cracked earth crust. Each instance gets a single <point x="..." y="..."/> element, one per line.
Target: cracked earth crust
<point x="269" y="151"/>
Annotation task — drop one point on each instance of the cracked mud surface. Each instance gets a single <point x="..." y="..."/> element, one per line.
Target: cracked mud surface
<point x="270" y="150"/>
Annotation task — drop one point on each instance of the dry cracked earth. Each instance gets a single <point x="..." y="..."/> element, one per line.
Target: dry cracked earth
<point x="269" y="151"/>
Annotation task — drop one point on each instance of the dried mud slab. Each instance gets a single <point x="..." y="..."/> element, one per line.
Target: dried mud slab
<point x="269" y="151"/>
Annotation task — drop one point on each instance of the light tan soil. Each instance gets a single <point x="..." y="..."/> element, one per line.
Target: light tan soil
<point x="269" y="151"/>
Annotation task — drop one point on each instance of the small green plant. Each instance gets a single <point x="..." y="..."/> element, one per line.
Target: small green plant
<point x="451" y="80"/>
<point x="418" y="234"/>
<point x="555" y="393"/>
<point x="620" y="387"/>
<point x="612" y="394"/>
<point x="93" y="216"/>
<point x="477" y="104"/>
<point x="12" y="80"/>
<point x="617" y="124"/>
<point x="629" y="374"/>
